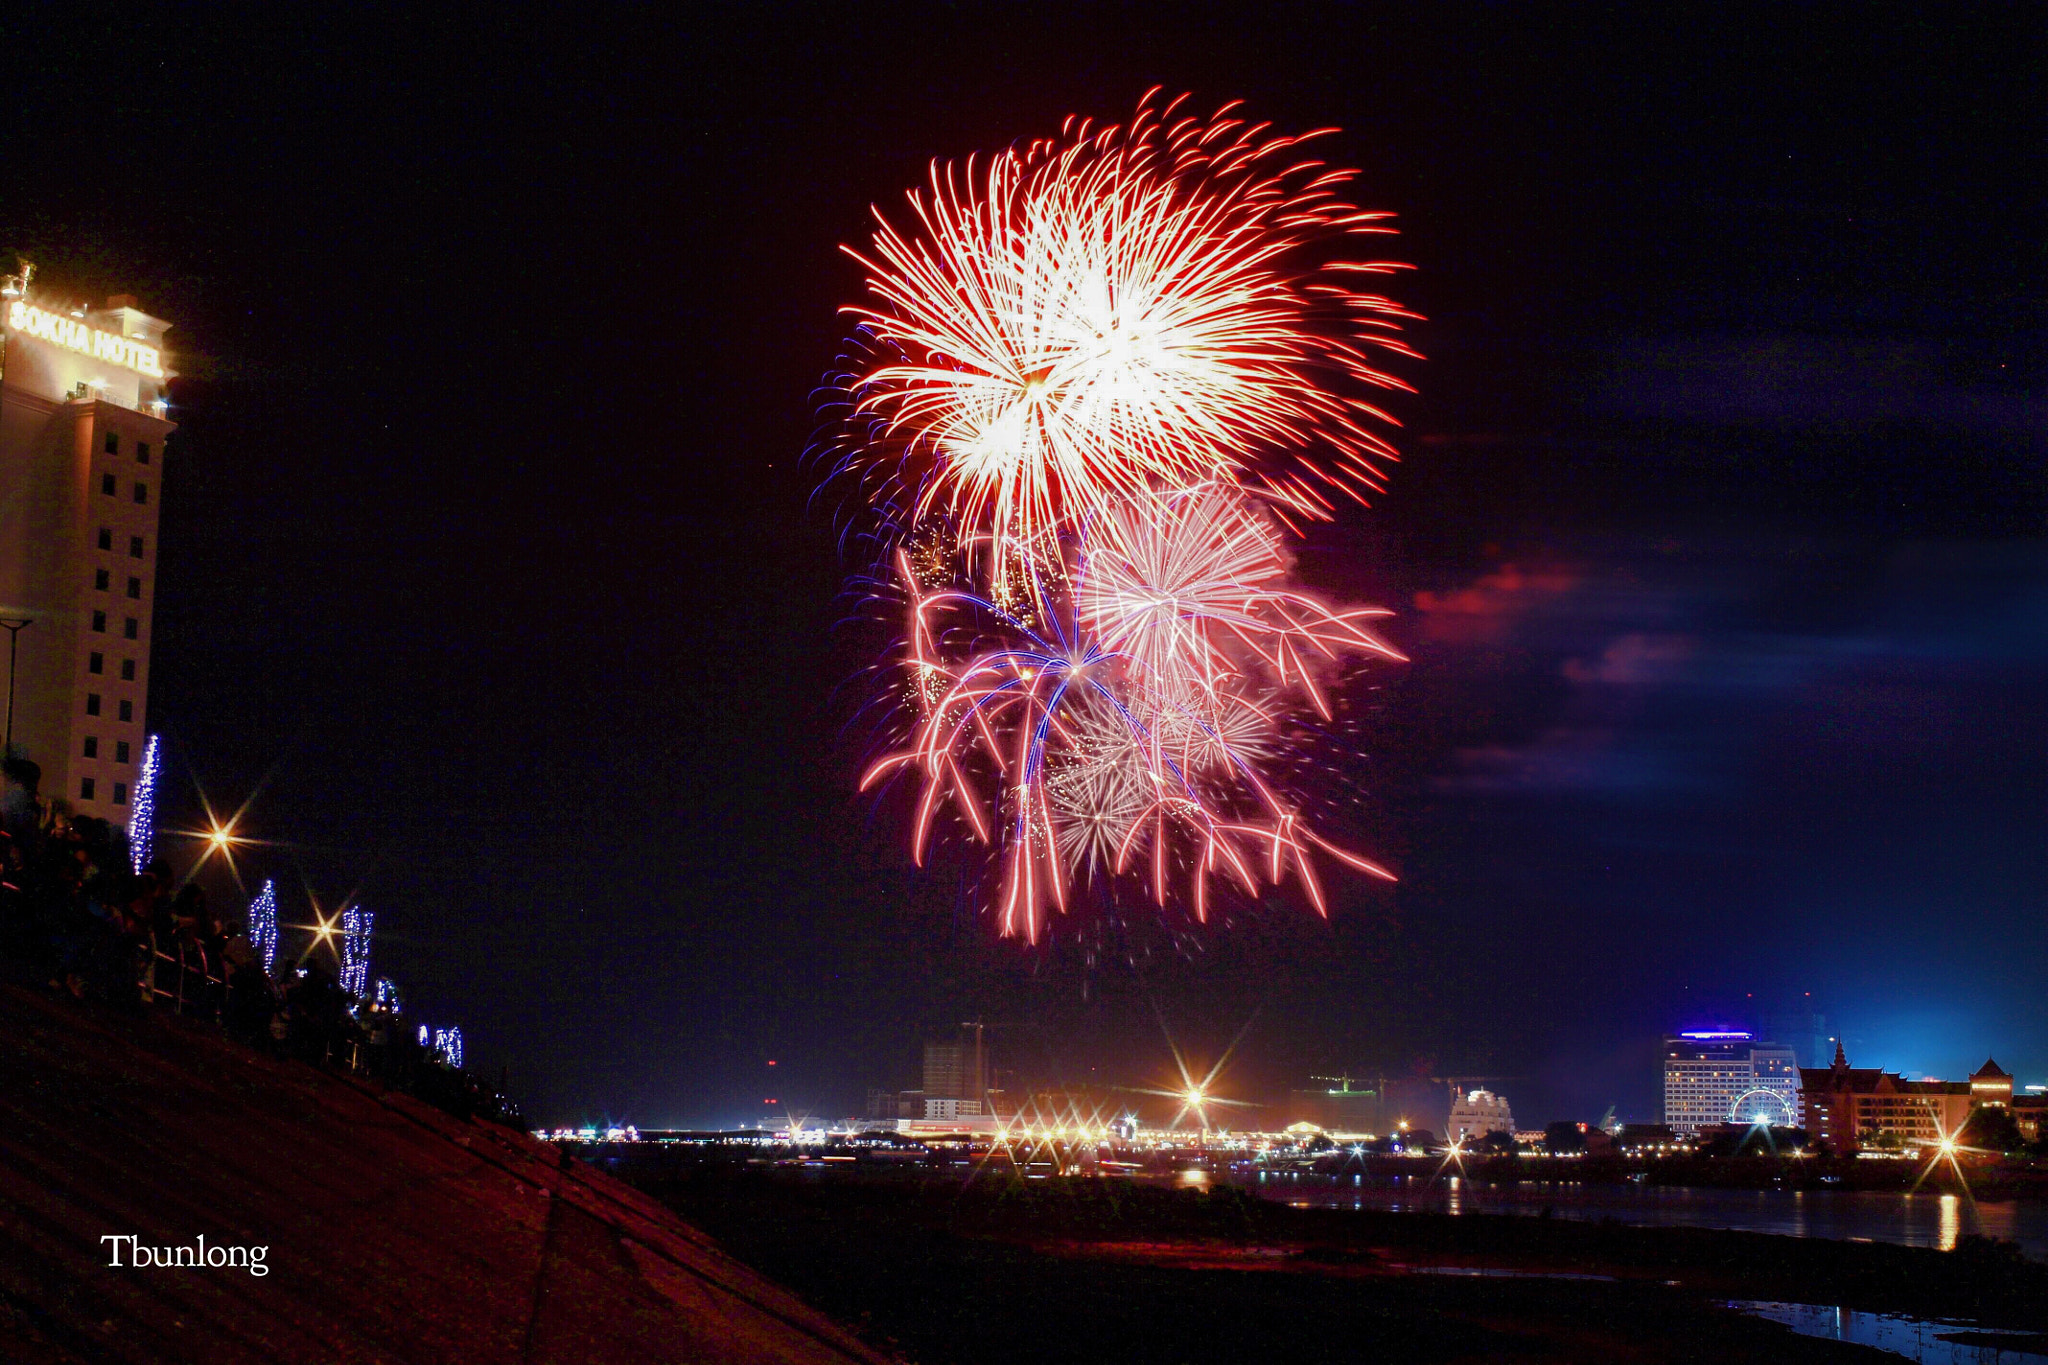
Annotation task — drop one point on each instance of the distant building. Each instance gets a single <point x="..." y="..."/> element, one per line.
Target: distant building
<point x="1345" y="1104"/>
<point x="1477" y="1113"/>
<point x="1850" y="1106"/>
<point x="946" y="1110"/>
<point x="890" y="1105"/>
<point x="956" y="1076"/>
<point x="2030" y="1112"/>
<point x="1722" y="1076"/>
<point x="1804" y="1030"/>
<point x="82" y="428"/>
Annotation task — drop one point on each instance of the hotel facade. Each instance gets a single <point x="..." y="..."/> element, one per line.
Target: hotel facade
<point x="1850" y="1107"/>
<point x="82" y="431"/>
<point x="1718" y="1077"/>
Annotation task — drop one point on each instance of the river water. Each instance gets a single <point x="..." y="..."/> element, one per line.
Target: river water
<point x="1921" y="1220"/>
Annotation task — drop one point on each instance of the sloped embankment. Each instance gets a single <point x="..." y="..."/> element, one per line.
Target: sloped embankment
<point x="392" y="1232"/>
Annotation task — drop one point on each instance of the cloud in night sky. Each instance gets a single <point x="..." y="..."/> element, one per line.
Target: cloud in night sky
<point x="1649" y="708"/>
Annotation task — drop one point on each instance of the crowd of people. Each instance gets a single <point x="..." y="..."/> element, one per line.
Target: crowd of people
<point x="78" y="918"/>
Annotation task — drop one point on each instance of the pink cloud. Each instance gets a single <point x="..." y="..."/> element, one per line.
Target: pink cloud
<point x="1480" y="612"/>
<point x="1635" y="660"/>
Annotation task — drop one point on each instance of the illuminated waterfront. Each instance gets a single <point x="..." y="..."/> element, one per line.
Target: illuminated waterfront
<point x="1275" y="1168"/>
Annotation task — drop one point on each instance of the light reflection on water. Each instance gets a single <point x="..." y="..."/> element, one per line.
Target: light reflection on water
<point x="1926" y="1219"/>
<point x="1916" y="1339"/>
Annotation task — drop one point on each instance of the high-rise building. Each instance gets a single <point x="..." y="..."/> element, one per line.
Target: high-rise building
<point x="82" y="429"/>
<point x="956" y="1080"/>
<point x="1803" y="1029"/>
<point x="1722" y="1076"/>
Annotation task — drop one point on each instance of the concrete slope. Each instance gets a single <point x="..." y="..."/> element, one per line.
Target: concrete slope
<point x="394" y="1233"/>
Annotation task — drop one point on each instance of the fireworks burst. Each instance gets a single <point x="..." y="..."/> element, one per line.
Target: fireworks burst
<point x="1191" y="588"/>
<point x="1101" y="759"/>
<point x="1104" y="377"/>
<point x="1090" y="319"/>
<point x="1098" y="790"/>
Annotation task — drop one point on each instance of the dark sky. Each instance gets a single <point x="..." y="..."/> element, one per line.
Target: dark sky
<point x="1718" y="542"/>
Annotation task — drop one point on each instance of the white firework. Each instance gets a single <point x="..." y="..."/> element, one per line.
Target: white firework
<point x="1101" y="785"/>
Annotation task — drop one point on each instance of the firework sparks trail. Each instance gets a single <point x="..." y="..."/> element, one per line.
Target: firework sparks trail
<point x="1104" y="376"/>
<point x="1090" y="319"/>
<point x="1089" y="765"/>
<point x="1186" y="582"/>
<point x="1100" y="791"/>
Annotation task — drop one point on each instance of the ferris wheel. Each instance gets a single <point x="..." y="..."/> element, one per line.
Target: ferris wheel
<point x="1759" y="1104"/>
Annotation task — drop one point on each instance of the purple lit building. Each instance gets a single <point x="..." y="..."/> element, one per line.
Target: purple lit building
<point x="1715" y="1076"/>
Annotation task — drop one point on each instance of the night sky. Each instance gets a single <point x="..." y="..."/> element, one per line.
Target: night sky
<point x="491" y="577"/>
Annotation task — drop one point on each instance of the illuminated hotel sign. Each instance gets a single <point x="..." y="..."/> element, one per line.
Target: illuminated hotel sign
<point x="74" y="335"/>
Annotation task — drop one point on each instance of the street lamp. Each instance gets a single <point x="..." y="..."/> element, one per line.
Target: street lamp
<point x="14" y="629"/>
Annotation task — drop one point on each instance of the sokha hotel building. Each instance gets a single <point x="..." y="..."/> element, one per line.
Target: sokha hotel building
<point x="82" y="428"/>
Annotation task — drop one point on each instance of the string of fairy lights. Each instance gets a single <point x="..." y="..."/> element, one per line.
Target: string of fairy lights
<point x="263" y="926"/>
<point x="348" y="935"/>
<point x="142" y="820"/>
<point x="356" y="924"/>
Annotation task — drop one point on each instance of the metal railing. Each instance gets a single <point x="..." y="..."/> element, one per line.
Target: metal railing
<point x="184" y="978"/>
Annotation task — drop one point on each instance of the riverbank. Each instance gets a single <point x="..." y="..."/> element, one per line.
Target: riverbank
<point x="303" y="1215"/>
<point x="1030" y="1270"/>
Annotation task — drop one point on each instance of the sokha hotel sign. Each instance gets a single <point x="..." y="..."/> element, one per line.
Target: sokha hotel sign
<point x="73" y="335"/>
